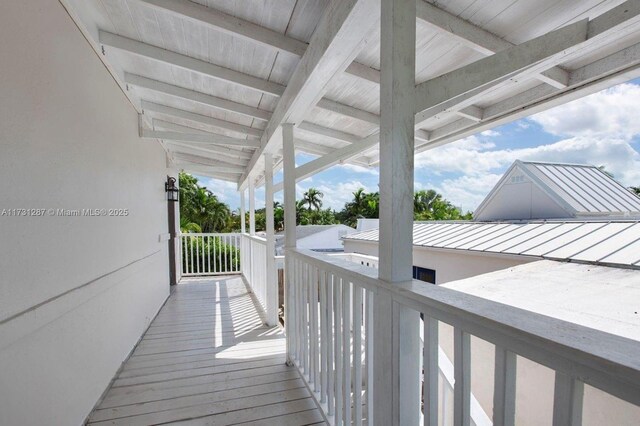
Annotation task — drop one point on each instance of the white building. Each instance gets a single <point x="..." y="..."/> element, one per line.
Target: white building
<point x="578" y="267"/>
<point x="320" y="238"/>
<point x="101" y="101"/>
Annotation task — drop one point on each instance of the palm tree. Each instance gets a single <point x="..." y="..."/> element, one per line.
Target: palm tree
<point x="635" y="189"/>
<point x="312" y="199"/>
<point x="423" y="201"/>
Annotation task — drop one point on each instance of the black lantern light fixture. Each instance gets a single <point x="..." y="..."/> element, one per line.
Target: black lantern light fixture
<point x="171" y="189"/>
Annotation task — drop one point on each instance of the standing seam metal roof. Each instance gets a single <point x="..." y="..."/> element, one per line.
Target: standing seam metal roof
<point x="598" y="242"/>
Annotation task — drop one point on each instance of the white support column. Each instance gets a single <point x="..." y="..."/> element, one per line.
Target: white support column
<point x="289" y="186"/>
<point x="243" y="213"/>
<point x="396" y="394"/>
<point x="272" y="278"/>
<point x="252" y="208"/>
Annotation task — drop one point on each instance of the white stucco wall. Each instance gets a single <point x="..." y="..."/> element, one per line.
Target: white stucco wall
<point x="76" y="293"/>
<point x="329" y="239"/>
<point x="449" y="265"/>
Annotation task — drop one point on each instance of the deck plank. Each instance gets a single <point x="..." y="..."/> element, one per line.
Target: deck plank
<point x="208" y="358"/>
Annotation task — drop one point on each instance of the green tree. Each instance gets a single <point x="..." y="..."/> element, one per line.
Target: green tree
<point x="201" y="207"/>
<point x="636" y="190"/>
<point x="312" y="199"/>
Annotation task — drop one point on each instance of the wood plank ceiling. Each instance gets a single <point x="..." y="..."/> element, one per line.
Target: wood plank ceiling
<point x="206" y="76"/>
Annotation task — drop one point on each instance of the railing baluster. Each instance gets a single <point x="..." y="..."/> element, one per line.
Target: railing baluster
<point x="314" y="328"/>
<point x="462" y="374"/>
<point x="346" y="350"/>
<point x="369" y="353"/>
<point x="357" y="353"/>
<point x="504" y="394"/>
<point x="567" y="401"/>
<point x="431" y="371"/>
<point x="191" y="257"/>
<point x="337" y="332"/>
<point x="298" y="320"/>
<point x="322" y="278"/>
<point x="330" y="331"/>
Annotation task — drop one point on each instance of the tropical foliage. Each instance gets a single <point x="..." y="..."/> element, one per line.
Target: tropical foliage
<point x="200" y="210"/>
<point x="635" y="189"/>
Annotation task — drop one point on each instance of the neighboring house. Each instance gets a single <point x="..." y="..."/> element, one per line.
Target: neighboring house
<point x="556" y="239"/>
<point x="543" y="211"/>
<point x="322" y="238"/>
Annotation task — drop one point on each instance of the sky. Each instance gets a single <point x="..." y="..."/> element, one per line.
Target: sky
<point x="602" y="129"/>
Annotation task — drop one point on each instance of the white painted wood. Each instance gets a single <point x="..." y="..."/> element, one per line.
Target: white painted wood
<point x="228" y="380"/>
<point x="198" y="118"/>
<point x="252" y="209"/>
<point x="190" y="64"/>
<point x="478" y="38"/>
<point x="198" y="97"/>
<point x="250" y="31"/>
<point x="397" y="57"/>
<point x="504" y="393"/>
<point x="567" y="401"/>
<point x="207" y="139"/>
<point x="471" y="112"/>
<point x="431" y="370"/>
<point x="462" y="374"/>
<point x="289" y="167"/>
<point x="487" y="72"/>
<point x="334" y="44"/>
<point x="242" y="219"/>
<point x="272" y="278"/>
<point x="616" y="68"/>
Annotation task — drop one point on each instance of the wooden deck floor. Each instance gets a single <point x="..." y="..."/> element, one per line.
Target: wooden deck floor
<point x="208" y="359"/>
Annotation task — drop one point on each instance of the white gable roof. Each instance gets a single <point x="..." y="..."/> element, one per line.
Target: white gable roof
<point x="535" y="190"/>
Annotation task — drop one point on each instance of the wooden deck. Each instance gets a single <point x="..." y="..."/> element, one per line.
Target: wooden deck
<point x="208" y="359"/>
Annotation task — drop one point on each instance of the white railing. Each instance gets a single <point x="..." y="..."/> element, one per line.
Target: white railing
<point x="331" y="330"/>
<point x="210" y="254"/>
<point x="254" y="261"/>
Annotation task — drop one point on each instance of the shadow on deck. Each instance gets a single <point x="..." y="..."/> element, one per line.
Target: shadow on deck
<point x="206" y="359"/>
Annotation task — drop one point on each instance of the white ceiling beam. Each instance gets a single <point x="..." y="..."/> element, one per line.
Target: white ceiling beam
<point x="349" y="111"/>
<point x="338" y="38"/>
<point x="471" y="112"/>
<point x="206" y="168"/>
<point x="197" y="97"/>
<point x="212" y="151"/>
<point x="614" y="69"/>
<point x="190" y="64"/>
<point x="249" y="31"/>
<point x="210" y="139"/>
<point x="206" y="161"/>
<point x="336" y="156"/>
<point x="478" y="38"/>
<point x="228" y="177"/>
<point x="490" y="73"/>
<point x="328" y="132"/>
<point x="475" y="79"/>
<point x="198" y="118"/>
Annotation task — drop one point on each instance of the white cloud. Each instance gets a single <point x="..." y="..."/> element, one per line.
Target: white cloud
<point x="611" y="113"/>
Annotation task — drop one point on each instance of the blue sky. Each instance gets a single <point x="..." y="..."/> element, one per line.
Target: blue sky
<point x="600" y="129"/>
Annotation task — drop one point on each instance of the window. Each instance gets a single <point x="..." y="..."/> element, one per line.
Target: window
<point x="424" y="274"/>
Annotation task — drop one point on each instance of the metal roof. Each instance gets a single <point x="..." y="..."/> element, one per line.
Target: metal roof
<point x="599" y="242"/>
<point x="587" y="189"/>
<point x="577" y="189"/>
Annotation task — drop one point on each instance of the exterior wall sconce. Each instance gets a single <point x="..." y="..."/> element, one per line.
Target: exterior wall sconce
<point x="170" y="188"/>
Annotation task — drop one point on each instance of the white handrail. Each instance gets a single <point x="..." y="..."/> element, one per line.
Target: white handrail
<point x="254" y="270"/>
<point x="332" y="325"/>
<point x="209" y="254"/>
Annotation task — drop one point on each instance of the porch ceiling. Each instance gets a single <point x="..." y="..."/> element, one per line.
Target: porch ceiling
<point x="213" y="80"/>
